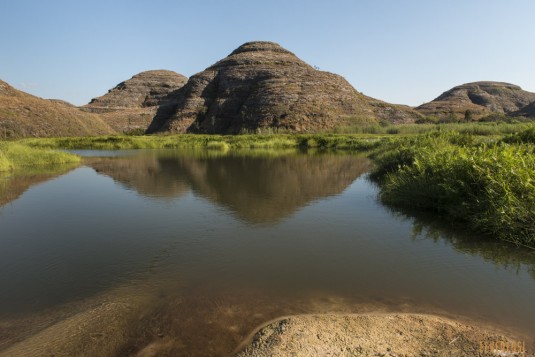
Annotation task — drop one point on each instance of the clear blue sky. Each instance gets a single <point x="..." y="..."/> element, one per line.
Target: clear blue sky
<point x="399" y="51"/>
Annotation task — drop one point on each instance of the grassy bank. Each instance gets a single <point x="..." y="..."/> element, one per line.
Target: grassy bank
<point x="17" y="156"/>
<point x="474" y="128"/>
<point x="212" y="142"/>
<point x="489" y="184"/>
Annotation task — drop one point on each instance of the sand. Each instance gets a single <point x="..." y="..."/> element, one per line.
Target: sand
<point x="376" y="335"/>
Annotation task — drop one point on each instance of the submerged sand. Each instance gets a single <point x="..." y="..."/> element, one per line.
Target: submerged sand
<point x="144" y="321"/>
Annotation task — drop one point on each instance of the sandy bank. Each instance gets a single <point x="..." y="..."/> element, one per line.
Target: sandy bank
<point x="376" y="335"/>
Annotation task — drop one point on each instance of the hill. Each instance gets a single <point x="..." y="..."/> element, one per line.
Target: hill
<point x="528" y="111"/>
<point x="134" y="103"/>
<point x="24" y="115"/>
<point x="262" y="85"/>
<point x="481" y="98"/>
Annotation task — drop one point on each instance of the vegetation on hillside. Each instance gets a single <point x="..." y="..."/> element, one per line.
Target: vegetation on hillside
<point x="24" y="115"/>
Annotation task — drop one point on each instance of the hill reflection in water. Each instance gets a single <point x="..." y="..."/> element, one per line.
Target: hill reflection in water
<point x="259" y="189"/>
<point x="14" y="184"/>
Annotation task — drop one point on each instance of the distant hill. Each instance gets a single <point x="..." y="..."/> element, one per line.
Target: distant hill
<point x="262" y="85"/>
<point x="24" y="115"/>
<point x="134" y="103"/>
<point x="481" y="98"/>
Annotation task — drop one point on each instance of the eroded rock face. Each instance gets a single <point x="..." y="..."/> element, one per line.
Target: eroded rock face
<point x="145" y="89"/>
<point x="262" y="85"/>
<point x="481" y="98"/>
<point x="133" y="104"/>
<point x="528" y="111"/>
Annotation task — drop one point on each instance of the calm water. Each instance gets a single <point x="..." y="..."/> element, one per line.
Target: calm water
<point x="225" y="242"/>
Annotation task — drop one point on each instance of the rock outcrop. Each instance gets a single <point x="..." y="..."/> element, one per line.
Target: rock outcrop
<point x="134" y="103"/>
<point x="262" y="85"/>
<point x="481" y="98"/>
<point x="24" y="115"/>
<point x="145" y="89"/>
<point x="528" y="111"/>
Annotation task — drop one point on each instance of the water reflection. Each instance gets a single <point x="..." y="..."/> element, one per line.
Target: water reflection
<point x="257" y="188"/>
<point x="501" y="254"/>
<point x="149" y="175"/>
<point x="194" y="260"/>
<point x="14" y="184"/>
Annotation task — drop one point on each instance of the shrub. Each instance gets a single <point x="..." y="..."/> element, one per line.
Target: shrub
<point x="217" y="145"/>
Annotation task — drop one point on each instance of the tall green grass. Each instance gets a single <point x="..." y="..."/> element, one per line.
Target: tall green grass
<point x="14" y="156"/>
<point x="213" y="142"/>
<point x="489" y="185"/>
<point x="474" y="128"/>
<point x="527" y="136"/>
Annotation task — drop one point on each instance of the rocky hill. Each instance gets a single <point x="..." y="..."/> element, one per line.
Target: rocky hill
<point x="481" y="98"/>
<point x="24" y="115"/>
<point x="528" y="111"/>
<point x="262" y="85"/>
<point x="135" y="102"/>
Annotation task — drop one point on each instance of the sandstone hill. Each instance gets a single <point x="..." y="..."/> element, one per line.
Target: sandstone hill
<point x="24" y="115"/>
<point x="481" y="98"/>
<point x="133" y="103"/>
<point x="262" y="85"/>
<point x="528" y="111"/>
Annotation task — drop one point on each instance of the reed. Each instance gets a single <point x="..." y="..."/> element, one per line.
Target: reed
<point x="488" y="184"/>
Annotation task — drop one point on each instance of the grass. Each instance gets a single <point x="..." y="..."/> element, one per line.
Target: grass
<point x="489" y="184"/>
<point x="474" y="128"/>
<point x="17" y="156"/>
<point x="212" y="142"/>
<point x="527" y="136"/>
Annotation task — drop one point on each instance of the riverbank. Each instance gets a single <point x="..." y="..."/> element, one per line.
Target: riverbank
<point x="367" y="138"/>
<point x="379" y="335"/>
<point x="212" y="142"/>
<point x="112" y="326"/>
<point x="487" y="184"/>
<point x="18" y="156"/>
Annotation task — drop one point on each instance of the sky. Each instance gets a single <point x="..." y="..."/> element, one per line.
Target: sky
<point x="405" y="52"/>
